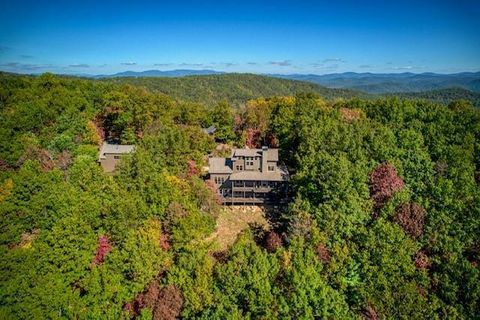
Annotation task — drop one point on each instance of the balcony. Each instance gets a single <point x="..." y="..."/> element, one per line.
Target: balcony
<point x="254" y="189"/>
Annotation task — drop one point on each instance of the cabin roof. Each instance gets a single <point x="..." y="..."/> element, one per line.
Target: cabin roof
<point x="271" y="154"/>
<point x="219" y="165"/>
<point x="108" y="148"/>
<point x="278" y="175"/>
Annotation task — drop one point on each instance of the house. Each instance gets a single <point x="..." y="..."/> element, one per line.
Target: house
<point x="110" y="155"/>
<point x="249" y="176"/>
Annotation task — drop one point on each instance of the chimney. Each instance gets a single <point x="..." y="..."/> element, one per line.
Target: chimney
<point x="264" y="158"/>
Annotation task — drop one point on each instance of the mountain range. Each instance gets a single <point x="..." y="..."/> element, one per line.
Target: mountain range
<point x="158" y="73"/>
<point x="376" y="83"/>
<point x="238" y="88"/>
<point x="379" y="83"/>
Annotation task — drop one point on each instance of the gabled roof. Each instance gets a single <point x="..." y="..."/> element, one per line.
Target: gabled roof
<point x="219" y="165"/>
<point x="108" y="148"/>
<point x="271" y="154"/>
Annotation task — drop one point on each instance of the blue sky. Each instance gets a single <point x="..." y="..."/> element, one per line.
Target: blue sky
<point x="103" y="37"/>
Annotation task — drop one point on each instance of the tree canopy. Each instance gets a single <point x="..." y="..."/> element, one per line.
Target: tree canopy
<point x="383" y="219"/>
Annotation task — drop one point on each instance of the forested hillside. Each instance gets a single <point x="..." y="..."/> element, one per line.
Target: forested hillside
<point x="444" y="96"/>
<point x="383" y="220"/>
<point x="381" y="83"/>
<point x="233" y="87"/>
<point x="239" y="88"/>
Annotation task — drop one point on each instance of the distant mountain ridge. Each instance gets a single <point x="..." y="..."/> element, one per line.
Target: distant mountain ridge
<point x="159" y="73"/>
<point x="374" y="83"/>
<point x="237" y="88"/>
<point x="380" y="83"/>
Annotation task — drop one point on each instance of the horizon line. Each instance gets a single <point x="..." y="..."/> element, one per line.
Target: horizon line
<point x="233" y="72"/>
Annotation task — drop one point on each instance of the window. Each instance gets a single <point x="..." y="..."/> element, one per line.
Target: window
<point x="271" y="168"/>
<point x="116" y="157"/>
<point x="238" y="183"/>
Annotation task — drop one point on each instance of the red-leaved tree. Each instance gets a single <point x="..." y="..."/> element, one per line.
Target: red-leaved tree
<point x="164" y="242"/>
<point x="271" y="140"/>
<point x="369" y="313"/>
<point x="169" y="303"/>
<point x="323" y="253"/>
<point x="384" y="182"/>
<point x="192" y="168"/>
<point x="273" y="241"/>
<point x="422" y="261"/>
<point x="253" y="138"/>
<point x="166" y="303"/>
<point x="103" y="248"/>
<point x="411" y="217"/>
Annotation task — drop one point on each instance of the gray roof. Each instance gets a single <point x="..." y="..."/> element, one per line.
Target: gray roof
<point x="271" y="154"/>
<point x="219" y="165"/>
<point x="224" y="166"/>
<point x="108" y="148"/>
<point x="278" y="175"/>
<point x="210" y="130"/>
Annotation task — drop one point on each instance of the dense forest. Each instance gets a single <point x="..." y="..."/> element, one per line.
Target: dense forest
<point x="234" y="87"/>
<point x="444" y="96"/>
<point x="239" y="88"/>
<point x="383" y="220"/>
<point x="384" y="83"/>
